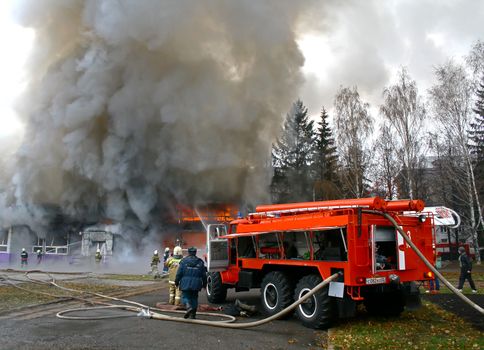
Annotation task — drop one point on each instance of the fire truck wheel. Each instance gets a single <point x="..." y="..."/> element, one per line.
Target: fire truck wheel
<point x="385" y="304"/>
<point x="216" y="290"/>
<point x="276" y="292"/>
<point x="317" y="311"/>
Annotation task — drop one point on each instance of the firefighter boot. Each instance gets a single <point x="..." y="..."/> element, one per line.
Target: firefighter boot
<point x="193" y="314"/>
<point x="188" y="313"/>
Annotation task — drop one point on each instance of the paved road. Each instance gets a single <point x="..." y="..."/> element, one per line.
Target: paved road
<point x="49" y="332"/>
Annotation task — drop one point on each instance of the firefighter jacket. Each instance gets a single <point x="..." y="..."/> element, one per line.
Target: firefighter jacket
<point x="98" y="257"/>
<point x="172" y="264"/>
<point x="24" y="256"/>
<point x="155" y="260"/>
<point x="191" y="274"/>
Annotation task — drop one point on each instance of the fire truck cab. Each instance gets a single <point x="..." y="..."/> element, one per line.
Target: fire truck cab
<point x="287" y="249"/>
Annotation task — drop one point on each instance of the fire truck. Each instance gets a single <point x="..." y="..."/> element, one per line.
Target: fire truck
<point x="288" y="249"/>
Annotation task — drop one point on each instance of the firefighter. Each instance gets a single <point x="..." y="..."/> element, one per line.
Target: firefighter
<point x="39" y="256"/>
<point x="172" y="265"/>
<point x="24" y="258"/>
<point x="191" y="277"/>
<point x="98" y="257"/>
<point x="166" y="255"/>
<point x="155" y="260"/>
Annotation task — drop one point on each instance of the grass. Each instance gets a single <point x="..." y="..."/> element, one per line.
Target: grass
<point x="429" y="327"/>
<point x="12" y="298"/>
<point x="453" y="278"/>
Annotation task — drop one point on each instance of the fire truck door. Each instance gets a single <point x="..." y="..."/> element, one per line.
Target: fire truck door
<point x="401" y="251"/>
<point x="373" y="250"/>
<point x="217" y="248"/>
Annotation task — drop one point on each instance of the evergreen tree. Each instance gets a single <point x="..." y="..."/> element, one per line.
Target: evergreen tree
<point x="325" y="162"/>
<point x="292" y="157"/>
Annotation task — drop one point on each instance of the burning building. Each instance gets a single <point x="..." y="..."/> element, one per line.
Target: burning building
<point x="187" y="227"/>
<point x="133" y="106"/>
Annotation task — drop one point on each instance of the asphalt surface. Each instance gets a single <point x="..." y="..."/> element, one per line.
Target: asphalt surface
<point x="46" y="331"/>
<point x="49" y="332"/>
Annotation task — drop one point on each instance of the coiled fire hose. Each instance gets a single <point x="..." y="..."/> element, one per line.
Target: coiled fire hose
<point x="145" y="311"/>
<point x="426" y="262"/>
<point x="259" y="322"/>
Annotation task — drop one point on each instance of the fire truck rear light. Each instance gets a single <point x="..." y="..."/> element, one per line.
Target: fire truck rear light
<point x="428" y="274"/>
<point x="360" y="280"/>
<point x="394" y="278"/>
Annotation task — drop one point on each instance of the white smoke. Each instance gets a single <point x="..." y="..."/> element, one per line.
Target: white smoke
<point x="132" y="104"/>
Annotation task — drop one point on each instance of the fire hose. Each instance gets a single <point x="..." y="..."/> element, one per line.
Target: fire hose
<point x="424" y="259"/>
<point x="144" y="311"/>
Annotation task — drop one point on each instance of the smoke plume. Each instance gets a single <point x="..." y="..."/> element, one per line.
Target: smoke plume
<point x="132" y="104"/>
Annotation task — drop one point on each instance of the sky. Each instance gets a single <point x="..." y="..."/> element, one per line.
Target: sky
<point x="364" y="43"/>
<point x="16" y="42"/>
<point x="344" y="43"/>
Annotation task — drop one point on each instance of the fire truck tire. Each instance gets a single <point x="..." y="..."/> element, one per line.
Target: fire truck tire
<point x="276" y="293"/>
<point x="216" y="290"/>
<point x="318" y="311"/>
<point x="389" y="304"/>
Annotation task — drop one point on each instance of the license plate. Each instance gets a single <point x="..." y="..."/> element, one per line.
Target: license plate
<point x="375" y="280"/>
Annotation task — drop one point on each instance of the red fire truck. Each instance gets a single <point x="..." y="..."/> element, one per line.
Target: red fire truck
<point x="287" y="249"/>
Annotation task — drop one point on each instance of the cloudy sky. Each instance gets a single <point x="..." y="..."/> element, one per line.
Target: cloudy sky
<point x="345" y="43"/>
<point x="363" y="43"/>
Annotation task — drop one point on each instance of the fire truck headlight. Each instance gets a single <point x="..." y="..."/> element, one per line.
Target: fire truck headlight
<point x="422" y="218"/>
<point x="394" y="278"/>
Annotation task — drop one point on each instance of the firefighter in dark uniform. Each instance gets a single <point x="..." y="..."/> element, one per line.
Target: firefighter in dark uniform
<point x="191" y="277"/>
<point x="98" y="257"/>
<point x="39" y="256"/>
<point x="24" y="258"/>
<point x="166" y="255"/>
<point x="172" y="265"/>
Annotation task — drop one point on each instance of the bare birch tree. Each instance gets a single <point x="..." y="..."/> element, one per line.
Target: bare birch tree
<point x="385" y="164"/>
<point x="353" y="125"/>
<point x="406" y="114"/>
<point x="452" y="101"/>
<point x="475" y="61"/>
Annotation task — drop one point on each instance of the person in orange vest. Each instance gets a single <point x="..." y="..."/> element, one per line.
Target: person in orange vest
<point x="172" y="265"/>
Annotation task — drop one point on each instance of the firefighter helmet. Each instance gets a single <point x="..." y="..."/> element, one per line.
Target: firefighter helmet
<point x="155" y="252"/>
<point x="167" y="249"/>
<point x="177" y="250"/>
